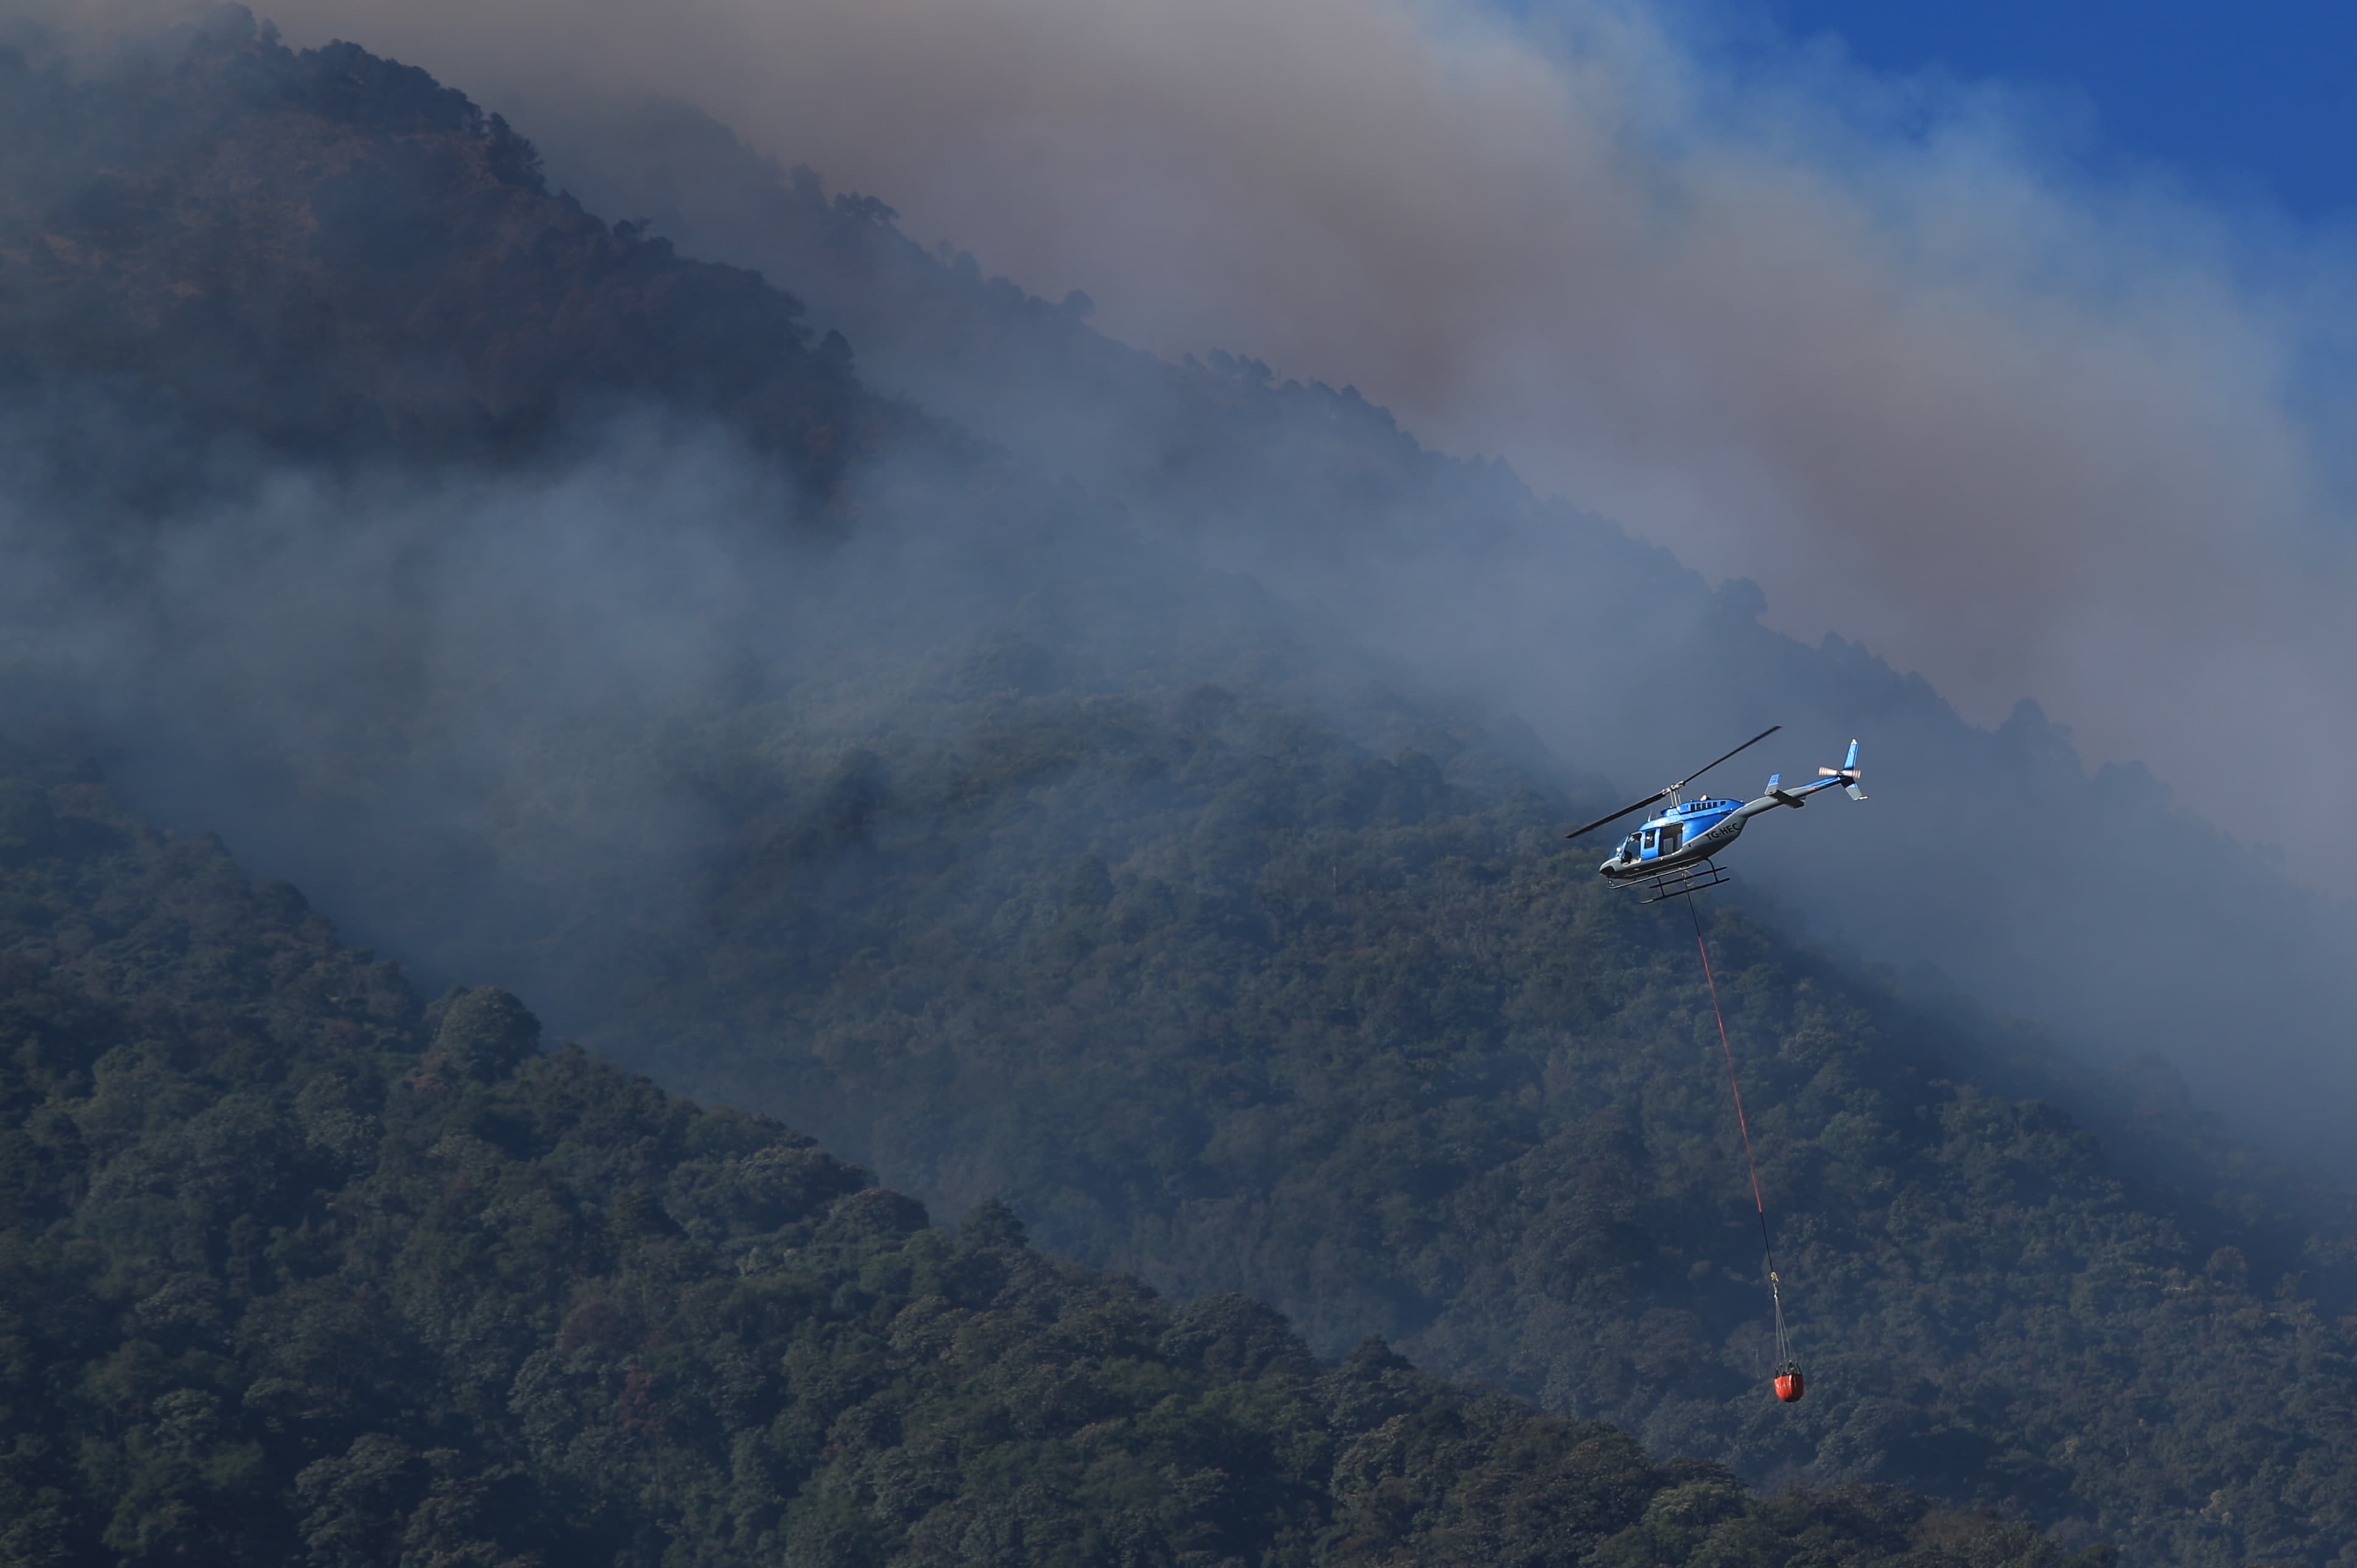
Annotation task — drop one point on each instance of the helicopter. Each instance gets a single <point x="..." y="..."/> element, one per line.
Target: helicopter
<point x="1671" y="854"/>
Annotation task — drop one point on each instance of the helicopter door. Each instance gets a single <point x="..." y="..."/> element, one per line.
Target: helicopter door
<point x="1672" y="836"/>
<point x="1647" y="842"/>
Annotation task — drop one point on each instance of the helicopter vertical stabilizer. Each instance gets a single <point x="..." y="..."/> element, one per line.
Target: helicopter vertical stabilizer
<point x="1848" y="773"/>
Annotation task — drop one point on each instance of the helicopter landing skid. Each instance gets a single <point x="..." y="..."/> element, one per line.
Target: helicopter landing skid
<point x="1685" y="881"/>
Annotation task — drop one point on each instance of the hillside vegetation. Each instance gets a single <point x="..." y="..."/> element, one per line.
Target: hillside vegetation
<point x="294" y="1269"/>
<point x="1210" y="993"/>
<point x="330" y="254"/>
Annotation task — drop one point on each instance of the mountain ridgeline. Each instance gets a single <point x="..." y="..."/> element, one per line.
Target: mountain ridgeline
<point x="331" y="256"/>
<point x="564" y="613"/>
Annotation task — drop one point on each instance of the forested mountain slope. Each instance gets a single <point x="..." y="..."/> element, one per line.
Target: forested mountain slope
<point x="998" y="836"/>
<point x="1212" y="993"/>
<point x="330" y="254"/>
<point x="2090" y="903"/>
<point x="294" y="1269"/>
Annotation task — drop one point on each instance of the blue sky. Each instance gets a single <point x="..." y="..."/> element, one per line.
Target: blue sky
<point x="2241" y="102"/>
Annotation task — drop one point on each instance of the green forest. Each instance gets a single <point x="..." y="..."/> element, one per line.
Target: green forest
<point x="329" y="253"/>
<point x="1343" y="1175"/>
<point x="1300" y="1021"/>
<point x="297" y="1268"/>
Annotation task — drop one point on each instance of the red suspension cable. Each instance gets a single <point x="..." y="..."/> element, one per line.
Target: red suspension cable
<point x="1768" y="1248"/>
<point x="1729" y="1052"/>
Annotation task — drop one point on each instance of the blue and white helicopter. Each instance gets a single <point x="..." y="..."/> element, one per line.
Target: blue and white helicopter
<point x="1671" y="855"/>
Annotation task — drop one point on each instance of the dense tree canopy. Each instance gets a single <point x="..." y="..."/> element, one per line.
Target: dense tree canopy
<point x="294" y="1269"/>
<point x="332" y="253"/>
<point x="1214" y="994"/>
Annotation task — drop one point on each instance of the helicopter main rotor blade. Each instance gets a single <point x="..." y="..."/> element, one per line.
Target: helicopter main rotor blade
<point x="1674" y="789"/>
<point x="1707" y="767"/>
<point x="1619" y="815"/>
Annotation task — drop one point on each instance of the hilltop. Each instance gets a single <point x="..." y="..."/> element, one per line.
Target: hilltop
<point x="331" y="256"/>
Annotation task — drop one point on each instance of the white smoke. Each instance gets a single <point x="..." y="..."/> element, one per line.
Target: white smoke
<point x="1851" y="339"/>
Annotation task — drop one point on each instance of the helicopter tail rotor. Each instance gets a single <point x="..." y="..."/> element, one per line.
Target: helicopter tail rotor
<point x="1849" y="772"/>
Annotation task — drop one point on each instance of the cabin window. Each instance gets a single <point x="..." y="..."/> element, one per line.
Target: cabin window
<point x="1672" y="835"/>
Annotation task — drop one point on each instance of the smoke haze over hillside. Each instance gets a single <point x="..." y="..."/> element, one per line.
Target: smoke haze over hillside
<point x="1859" y="340"/>
<point x="2092" y="909"/>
